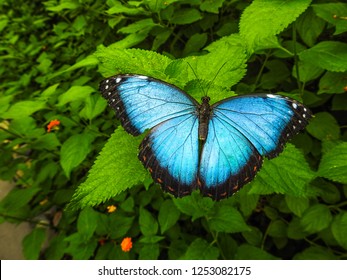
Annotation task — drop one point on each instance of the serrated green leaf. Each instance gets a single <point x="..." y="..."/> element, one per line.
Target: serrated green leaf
<point x="118" y="8"/>
<point x="151" y="239"/>
<point x="307" y="71"/>
<point x="75" y="93"/>
<point x="248" y="252"/>
<point x="168" y="215"/>
<point x="287" y="174"/>
<point x="23" y="109"/>
<point x="326" y="190"/>
<point x="226" y="60"/>
<point x="114" y="60"/>
<point x="333" y="165"/>
<point x="339" y="229"/>
<point x="316" y="218"/>
<point x="226" y="218"/>
<point x="48" y="92"/>
<point x="333" y="13"/>
<point x="74" y="150"/>
<point x="333" y="82"/>
<point x="297" y="204"/>
<point x="324" y="127"/>
<point x="265" y="18"/>
<point x="248" y="202"/>
<point x="148" y="225"/>
<point x="79" y="249"/>
<point x="94" y="106"/>
<point x="328" y="55"/>
<point x="32" y="243"/>
<point x="115" y="170"/>
<point x="194" y="205"/>
<point x="87" y="222"/>
<point x="199" y="249"/>
<point x="185" y="16"/>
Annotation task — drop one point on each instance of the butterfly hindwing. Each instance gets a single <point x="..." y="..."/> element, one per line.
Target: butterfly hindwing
<point x="171" y="153"/>
<point x="142" y="102"/>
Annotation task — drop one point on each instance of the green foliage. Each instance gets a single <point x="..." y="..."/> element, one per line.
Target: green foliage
<point x="83" y="174"/>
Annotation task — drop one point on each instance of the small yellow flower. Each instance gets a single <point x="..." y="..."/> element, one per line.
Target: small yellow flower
<point x="111" y="208"/>
<point x="126" y="244"/>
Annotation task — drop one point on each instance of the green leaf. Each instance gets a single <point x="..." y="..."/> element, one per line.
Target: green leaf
<point x="307" y="71"/>
<point x="316" y="218"/>
<point x="226" y="60"/>
<point x="47" y="141"/>
<point x="137" y="26"/>
<point x="151" y="239"/>
<point x="287" y="174"/>
<point x="56" y="249"/>
<point x="339" y="229"/>
<point x="315" y="253"/>
<point x="324" y="127"/>
<point x="295" y="230"/>
<point x="119" y="225"/>
<point x="73" y="151"/>
<point x="16" y="198"/>
<point x="297" y="204"/>
<point x="115" y="61"/>
<point x="185" y="16"/>
<point x="328" y="55"/>
<point x="168" y="215"/>
<point x="79" y="249"/>
<point x="333" y="13"/>
<point x="25" y="108"/>
<point x="115" y="170"/>
<point x="95" y="105"/>
<point x="277" y="229"/>
<point x="32" y="243"/>
<point x="309" y="26"/>
<point x="87" y="222"/>
<point x="326" y="190"/>
<point x="333" y="82"/>
<point x="254" y="236"/>
<point x="66" y="5"/>
<point x="75" y="93"/>
<point x="211" y="6"/>
<point x="199" y="249"/>
<point x="195" y="43"/>
<point x="118" y="8"/>
<point x="333" y="165"/>
<point x="194" y="205"/>
<point x="265" y="18"/>
<point x="149" y="252"/>
<point x="226" y="218"/>
<point x="248" y="252"/>
<point x="148" y="225"/>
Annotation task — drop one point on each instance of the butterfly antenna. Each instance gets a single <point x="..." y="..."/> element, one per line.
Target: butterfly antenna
<point x="215" y="76"/>
<point x="196" y="76"/>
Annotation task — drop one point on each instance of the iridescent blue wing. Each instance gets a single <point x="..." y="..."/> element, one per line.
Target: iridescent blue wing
<point x="242" y="130"/>
<point x="171" y="153"/>
<point x="171" y="150"/>
<point x="142" y="102"/>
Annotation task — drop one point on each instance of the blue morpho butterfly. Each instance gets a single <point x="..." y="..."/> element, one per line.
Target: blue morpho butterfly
<point x="215" y="148"/>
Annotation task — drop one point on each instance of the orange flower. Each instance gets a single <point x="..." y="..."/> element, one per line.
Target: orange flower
<point x="345" y="88"/>
<point x="52" y="124"/>
<point x="126" y="244"/>
<point x="111" y="208"/>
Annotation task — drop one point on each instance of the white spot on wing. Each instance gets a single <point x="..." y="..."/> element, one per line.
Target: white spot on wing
<point x="305" y="109"/>
<point x="304" y="115"/>
<point x="118" y="80"/>
<point x="107" y="81"/>
<point x="143" y="77"/>
<point x="109" y="93"/>
<point x="295" y="105"/>
<point x="271" y="96"/>
<point x="106" y="87"/>
<point x="113" y="100"/>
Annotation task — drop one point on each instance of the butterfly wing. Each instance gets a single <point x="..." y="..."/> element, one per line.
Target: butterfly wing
<point x="241" y="131"/>
<point x="170" y="151"/>
<point x="142" y="102"/>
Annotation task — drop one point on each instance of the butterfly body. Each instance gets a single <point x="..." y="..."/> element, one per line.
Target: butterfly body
<point x="215" y="148"/>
